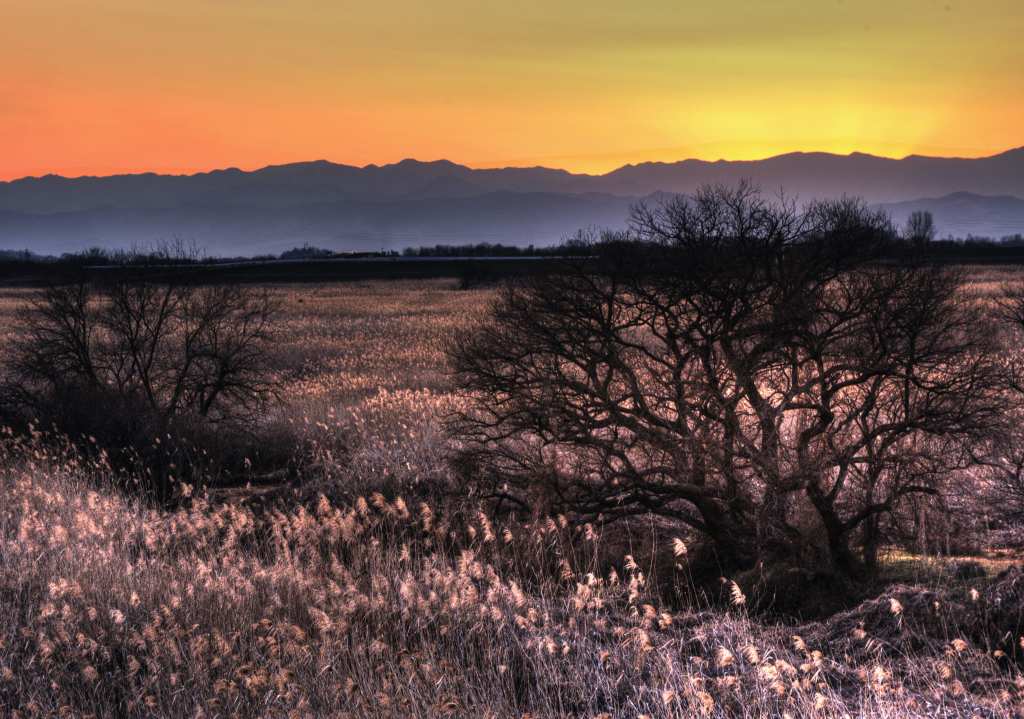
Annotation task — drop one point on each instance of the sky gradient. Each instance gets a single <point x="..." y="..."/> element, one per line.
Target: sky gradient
<point x="112" y="86"/>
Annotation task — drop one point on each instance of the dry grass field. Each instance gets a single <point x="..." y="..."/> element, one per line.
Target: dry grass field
<point x="378" y="588"/>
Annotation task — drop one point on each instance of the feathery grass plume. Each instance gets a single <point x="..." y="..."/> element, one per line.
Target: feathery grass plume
<point x="751" y="654"/>
<point x="485" y="525"/>
<point x="678" y="547"/>
<point x="706" y="702"/>
<point x="723" y="658"/>
<point x="737" y="597"/>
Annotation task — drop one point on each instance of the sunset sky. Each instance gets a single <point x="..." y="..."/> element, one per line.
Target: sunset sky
<point x="110" y="86"/>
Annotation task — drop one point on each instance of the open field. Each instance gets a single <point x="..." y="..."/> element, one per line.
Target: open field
<point x="382" y="589"/>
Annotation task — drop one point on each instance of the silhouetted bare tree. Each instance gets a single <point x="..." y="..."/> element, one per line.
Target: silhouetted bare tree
<point x="757" y="372"/>
<point x="920" y="229"/>
<point x="143" y="358"/>
<point x="178" y="349"/>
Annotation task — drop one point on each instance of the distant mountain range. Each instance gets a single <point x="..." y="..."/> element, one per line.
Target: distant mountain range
<point x="414" y="203"/>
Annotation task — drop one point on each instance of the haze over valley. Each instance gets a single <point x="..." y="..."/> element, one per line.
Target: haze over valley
<point x="412" y="203"/>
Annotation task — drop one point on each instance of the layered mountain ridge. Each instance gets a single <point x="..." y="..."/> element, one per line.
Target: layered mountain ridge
<point x="343" y="207"/>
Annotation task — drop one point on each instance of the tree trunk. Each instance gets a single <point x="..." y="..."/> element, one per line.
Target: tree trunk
<point x="843" y="559"/>
<point x="871" y="542"/>
<point x="734" y="542"/>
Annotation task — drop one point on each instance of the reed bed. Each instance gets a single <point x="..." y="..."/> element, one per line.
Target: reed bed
<point x="375" y="591"/>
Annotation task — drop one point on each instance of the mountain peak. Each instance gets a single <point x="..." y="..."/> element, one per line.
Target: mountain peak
<point x="413" y="162"/>
<point x="1016" y="152"/>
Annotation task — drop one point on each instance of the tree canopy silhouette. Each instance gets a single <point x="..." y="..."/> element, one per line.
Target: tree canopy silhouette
<point x="131" y="360"/>
<point x="764" y="374"/>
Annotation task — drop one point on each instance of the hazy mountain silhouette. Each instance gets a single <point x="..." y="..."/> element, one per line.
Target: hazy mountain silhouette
<point x="343" y="207"/>
<point x="242" y="229"/>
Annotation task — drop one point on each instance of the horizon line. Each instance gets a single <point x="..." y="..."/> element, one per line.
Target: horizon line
<point x="495" y="167"/>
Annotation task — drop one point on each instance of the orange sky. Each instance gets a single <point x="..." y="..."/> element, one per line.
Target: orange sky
<point x="108" y="86"/>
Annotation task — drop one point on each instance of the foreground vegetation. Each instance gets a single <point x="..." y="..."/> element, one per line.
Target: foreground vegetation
<point x="385" y="609"/>
<point x="378" y="586"/>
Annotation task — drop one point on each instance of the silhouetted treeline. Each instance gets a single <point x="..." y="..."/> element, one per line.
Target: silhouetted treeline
<point x="473" y="264"/>
<point x="1008" y="247"/>
<point x="487" y="249"/>
<point x="309" y="252"/>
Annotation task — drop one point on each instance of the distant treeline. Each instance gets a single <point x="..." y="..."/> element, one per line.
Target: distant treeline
<point x="487" y="249"/>
<point x="180" y="254"/>
<point x="1009" y="247"/>
<point x="574" y="247"/>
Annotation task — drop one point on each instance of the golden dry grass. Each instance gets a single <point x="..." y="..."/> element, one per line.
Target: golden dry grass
<point x="373" y="604"/>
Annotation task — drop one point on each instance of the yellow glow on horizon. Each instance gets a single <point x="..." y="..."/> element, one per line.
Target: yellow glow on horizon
<point x="109" y="86"/>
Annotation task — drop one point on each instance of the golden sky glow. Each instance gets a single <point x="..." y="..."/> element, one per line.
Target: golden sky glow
<point x="107" y="86"/>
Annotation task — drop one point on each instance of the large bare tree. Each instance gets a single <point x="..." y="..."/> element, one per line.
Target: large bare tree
<point x="761" y="373"/>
